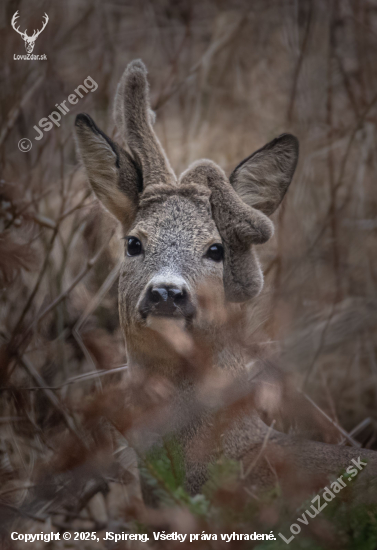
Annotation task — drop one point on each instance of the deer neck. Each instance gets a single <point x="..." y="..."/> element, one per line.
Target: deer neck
<point x="183" y="359"/>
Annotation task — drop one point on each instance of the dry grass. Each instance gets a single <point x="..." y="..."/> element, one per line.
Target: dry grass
<point x="225" y="78"/>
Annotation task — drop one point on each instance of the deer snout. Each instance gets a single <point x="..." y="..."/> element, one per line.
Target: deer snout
<point x="166" y="300"/>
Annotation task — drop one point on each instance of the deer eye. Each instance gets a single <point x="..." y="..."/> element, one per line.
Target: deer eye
<point x="215" y="253"/>
<point x="134" y="247"/>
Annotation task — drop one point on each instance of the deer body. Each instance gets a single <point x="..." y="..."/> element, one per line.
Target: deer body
<point x="190" y="240"/>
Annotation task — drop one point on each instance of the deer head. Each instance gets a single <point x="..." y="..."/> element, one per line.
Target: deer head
<point x="181" y="234"/>
<point x="29" y="40"/>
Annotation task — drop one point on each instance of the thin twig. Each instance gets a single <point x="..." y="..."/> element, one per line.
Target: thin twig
<point x="254" y="462"/>
<point x="353" y="442"/>
<point x="89" y="264"/>
<point x="31" y="370"/>
<point x="73" y="380"/>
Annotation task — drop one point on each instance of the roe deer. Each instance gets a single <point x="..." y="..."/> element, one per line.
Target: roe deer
<point x="184" y="235"/>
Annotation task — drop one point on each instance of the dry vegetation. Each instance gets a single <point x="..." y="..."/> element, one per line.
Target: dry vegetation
<point x="226" y="77"/>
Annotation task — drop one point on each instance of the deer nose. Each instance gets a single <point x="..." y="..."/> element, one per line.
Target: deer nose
<point x="166" y="293"/>
<point x="166" y="300"/>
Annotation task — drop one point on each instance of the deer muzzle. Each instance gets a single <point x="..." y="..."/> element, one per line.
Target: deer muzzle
<point x="167" y="299"/>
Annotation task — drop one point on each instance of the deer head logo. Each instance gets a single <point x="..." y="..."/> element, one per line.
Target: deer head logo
<point x="29" y="40"/>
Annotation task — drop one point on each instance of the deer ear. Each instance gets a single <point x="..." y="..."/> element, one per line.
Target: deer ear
<point x="262" y="179"/>
<point x="113" y="175"/>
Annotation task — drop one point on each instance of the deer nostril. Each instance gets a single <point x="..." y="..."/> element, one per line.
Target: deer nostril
<point x="176" y="294"/>
<point x="159" y="294"/>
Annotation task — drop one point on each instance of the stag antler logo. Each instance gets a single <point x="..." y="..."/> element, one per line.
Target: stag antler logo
<point x="29" y="40"/>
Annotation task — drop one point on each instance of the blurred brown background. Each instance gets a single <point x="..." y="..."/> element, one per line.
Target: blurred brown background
<point x="226" y="77"/>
